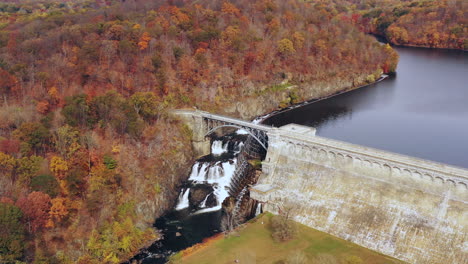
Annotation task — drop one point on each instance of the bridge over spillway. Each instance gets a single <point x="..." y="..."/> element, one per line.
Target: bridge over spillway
<point x="204" y="124"/>
<point x="257" y="131"/>
<point x="412" y="209"/>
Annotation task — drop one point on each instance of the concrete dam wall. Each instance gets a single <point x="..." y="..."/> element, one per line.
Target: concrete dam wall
<point x="408" y="208"/>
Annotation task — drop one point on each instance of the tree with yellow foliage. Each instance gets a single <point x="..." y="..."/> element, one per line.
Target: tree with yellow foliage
<point x="7" y="163"/>
<point x="286" y="46"/>
<point x="58" y="166"/>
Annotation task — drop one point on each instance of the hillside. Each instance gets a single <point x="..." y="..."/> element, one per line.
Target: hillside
<point x="88" y="154"/>
<point x="421" y="23"/>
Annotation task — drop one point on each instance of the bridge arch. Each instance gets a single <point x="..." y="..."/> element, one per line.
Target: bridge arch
<point x="238" y="127"/>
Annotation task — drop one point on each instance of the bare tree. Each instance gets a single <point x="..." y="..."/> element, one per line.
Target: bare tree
<point x="229" y="220"/>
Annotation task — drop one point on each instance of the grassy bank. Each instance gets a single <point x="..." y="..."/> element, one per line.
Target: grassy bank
<point x="254" y="244"/>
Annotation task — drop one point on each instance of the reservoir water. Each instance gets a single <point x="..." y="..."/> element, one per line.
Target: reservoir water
<point x="422" y="111"/>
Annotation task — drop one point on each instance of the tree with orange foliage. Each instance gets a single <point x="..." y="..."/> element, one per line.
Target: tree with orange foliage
<point x="6" y="200"/>
<point x="178" y="17"/>
<point x="42" y="107"/>
<point x="58" y="211"/>
<point x="54" y="96"/>
<point x="298" y="39"/>
<point x="274" y="26"/>
<point x="230" y="9"/>
<point x="36" y="210"/>
<point x="144" y="40"/>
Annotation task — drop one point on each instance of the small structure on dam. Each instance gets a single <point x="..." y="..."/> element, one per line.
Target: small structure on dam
<point x="412" y="209"/>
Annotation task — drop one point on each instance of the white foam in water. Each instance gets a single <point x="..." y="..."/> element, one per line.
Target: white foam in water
<point x="203" y="203"/>
<point x="239" y="148"/>
<point x="218" y="174"/>
<point x="221" y="189"/>
<point x="218" y="148"/>
<point x="209" y="209"/>
<point x="183" y="200"/>
<point x="214" y="172"/>
<point x="197" y="173"/>
<point x="259" y="119"/>
<point x="242" y="132"/>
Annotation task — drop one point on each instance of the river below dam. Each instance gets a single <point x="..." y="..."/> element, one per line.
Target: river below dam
<point x="422" y="111"/>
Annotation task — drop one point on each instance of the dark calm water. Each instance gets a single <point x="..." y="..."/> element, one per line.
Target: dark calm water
<point x="421" y="112"/>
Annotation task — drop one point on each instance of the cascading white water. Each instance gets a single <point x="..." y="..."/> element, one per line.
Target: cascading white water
<point x="217" y="174"/>
<point x="203" y="203"/>
<point x="183" y="200"/>
<point x="260" y="119"/>
<point x="258" y="210"/>
<point x="204" y="192"/>
<point x="242" y="132"/>
<point x="219" y="147"/>
<point x="238" y="147"/>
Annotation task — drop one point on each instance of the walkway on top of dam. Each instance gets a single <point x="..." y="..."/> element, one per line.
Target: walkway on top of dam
<point x="303" y="135"/>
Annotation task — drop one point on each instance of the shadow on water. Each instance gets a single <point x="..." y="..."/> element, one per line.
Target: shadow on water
<point x="335" y="108"/>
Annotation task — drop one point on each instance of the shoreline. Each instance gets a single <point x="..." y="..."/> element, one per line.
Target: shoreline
<point x="385" y="40"/>
<point x="260" y="119"/>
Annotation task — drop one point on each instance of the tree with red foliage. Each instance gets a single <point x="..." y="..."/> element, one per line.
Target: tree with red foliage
<point x="36" y="210"/>
<point x="249" y="60"/>
<point x="12" y="43"/>
<point x="8" y="82"/>
<point x="10" y="146"/>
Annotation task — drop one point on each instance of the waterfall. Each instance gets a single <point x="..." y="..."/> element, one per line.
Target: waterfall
<point x="258" y="210"/>
<point x="242" y="132"/>
<point x="183" y="199"/>
<point x="198" y="214"/>
<point x="219" y="147"/>
<point x="211" y="176"/>
<point x="203" y="203"/>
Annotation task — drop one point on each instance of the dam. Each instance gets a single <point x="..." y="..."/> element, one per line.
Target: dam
<point x="408" y="208"/>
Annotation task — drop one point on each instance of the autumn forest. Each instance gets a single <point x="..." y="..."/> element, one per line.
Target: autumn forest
<point x="89" y="155"/>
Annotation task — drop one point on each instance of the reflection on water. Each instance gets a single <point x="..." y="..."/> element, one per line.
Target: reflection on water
<point x="421" y="112"/>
